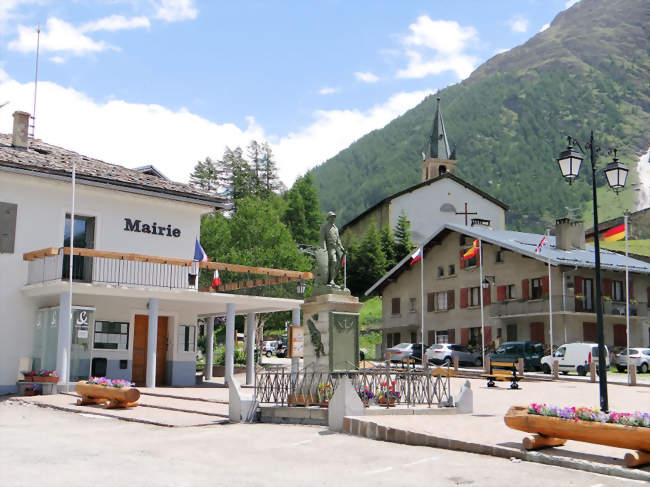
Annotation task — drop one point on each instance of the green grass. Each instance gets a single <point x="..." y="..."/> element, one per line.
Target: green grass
<point x="370" y="314"/>
<point x="367" y="342"/>
<point x="639" y="247"/>
<point x="610" y="205"/>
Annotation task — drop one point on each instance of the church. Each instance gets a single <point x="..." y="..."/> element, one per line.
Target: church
<point x="441" y="197"/>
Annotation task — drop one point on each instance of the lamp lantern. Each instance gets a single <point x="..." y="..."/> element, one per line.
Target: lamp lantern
<point x="616" y="173"/>
<point x="569" y="161"/>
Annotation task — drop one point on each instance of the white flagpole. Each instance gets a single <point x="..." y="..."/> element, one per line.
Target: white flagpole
<point x="480" y="258"/>
<point x="422" y="358"/>
<point x="550" y="292"/>
<point x="66" y="379"/>
<point x="345" y="272"/>
<point x="627" y="301"/>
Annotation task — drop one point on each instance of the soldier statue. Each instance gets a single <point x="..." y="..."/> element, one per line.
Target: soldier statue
<point x="331" y="243"/>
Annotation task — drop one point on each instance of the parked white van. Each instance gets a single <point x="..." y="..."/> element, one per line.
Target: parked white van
<point x="574" y="357"/>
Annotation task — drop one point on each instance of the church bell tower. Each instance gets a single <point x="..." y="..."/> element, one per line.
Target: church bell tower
<point x="439" y="158"/>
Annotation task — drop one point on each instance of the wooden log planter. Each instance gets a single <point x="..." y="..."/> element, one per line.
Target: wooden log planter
<point x="553" y="431"/>
<point x="112" y="397"/>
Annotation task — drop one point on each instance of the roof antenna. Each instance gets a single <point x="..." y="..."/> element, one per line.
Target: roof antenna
<point x="32" y="126"/>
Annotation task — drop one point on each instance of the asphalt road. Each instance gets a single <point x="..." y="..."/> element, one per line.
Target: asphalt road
<point x="45" y="447"/>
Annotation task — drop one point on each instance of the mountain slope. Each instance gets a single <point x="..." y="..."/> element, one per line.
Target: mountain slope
<point x="588" y="70"/>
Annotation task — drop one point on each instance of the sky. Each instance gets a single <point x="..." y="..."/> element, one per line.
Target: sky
<point x="171" y="82"/>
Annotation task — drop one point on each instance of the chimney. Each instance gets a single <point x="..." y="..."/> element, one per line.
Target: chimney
<point x="20" y="137"/>
<point x="480" y="222"/>
<point x="569" y="235"/>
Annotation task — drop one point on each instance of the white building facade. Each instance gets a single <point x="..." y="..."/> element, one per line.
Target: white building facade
<point x="135" y="303"/>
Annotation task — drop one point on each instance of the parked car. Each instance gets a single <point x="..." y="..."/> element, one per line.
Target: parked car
<point x="574" y="357"/>
<point x="531" y="352"/>
<point x="404" y="351"/>
<point x="638" y="356"/>
<point x="445" y="352"/>
<point x="269" y="347"/>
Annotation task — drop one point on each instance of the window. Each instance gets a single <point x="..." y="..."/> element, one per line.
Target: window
<point x="511" y="333"/>
<point x="441" y="271"/>
<point x="111" y="335"/>
<point x="499" y="256"/>
<point x="462" y="240"/>
<point x="452" y="270"/>
<point x="186" y="338"/>
<point x="536" y="291"/>
<point x="441" y="301"/>
<point x="413" y="337"/>
<point x="510" y="291"/>
<point x="412" y="303"/>
<point x="395" y="306"/>
<point x="587" y="292"/>
<point x="475" y="296"/>
<point x="617" y="291"/>
<point x="83" y="238"/>
<point x="441" y="337"/>
<point x="8" y="213"/>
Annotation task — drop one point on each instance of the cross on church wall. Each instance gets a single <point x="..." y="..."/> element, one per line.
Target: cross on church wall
<point x="466" y="213"/>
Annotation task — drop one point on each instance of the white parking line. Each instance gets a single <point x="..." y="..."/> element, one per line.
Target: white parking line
<point x="421" y="460"/>
<point x="381" y="470"/>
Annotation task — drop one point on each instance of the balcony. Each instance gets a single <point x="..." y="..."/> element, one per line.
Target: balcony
<point x="117" y="269"/>
<point x="566" y="304"/>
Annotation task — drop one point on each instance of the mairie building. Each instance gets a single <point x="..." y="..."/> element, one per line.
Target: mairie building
<point x="134" y="292"/>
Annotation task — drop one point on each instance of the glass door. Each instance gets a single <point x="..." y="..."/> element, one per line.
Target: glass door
<point x="84" y="238"/>
<point x="82" y="320"/>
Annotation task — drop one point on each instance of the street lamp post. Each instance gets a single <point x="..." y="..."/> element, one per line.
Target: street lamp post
<point x="569" y="161"/>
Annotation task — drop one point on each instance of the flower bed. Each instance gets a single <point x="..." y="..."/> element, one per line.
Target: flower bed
<point x="103" y="381"/>
<point x="43" y="375"/>
<point x="114" y="393"/>
<point x="573" y="413"/>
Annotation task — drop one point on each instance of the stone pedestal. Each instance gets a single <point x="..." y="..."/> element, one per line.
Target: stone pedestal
<point x="331" y="330"/>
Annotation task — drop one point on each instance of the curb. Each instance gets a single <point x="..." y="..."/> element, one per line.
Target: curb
<point x="357" y="426"/>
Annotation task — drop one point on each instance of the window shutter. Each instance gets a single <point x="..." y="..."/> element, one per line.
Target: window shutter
<point x="450" y="300"/>
<point x="488" y="335"/>
<point x="631" y="289"/>
<point x="430" y="302"/>
<point x="545" y="286"/>
<point x="487" y="296"/>
<point x="461" y="263"/>
<point x="451" y="335"/>
<point x="525" y="289"/>
<point x="501" y="293"/>
<point x="8" y="213"/>
<point x="607" y="288"/>
<point x="463" y="297"/>
<point x="577" y="285"/>
<point x="431" y="337"/>
<point x="464" y="336"/>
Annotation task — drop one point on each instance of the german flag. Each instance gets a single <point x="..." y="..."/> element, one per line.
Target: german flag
<point x="614" y="234"/>
<point x="472" y="251"/>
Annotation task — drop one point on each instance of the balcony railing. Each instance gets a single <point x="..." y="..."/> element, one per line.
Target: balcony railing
<point x="137" y="270"/>
<point x="563" y="304"/>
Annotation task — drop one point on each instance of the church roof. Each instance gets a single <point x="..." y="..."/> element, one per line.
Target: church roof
<point x="415" y="187"/>
<point x="525" y="244"/>
<point x="438" y="147"/>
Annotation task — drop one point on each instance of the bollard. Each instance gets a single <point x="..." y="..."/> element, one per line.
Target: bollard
<point x="592" y="371"/>
<point x="487" y="364"/>
<point x="520" y="366"/>
<point x="455" y="363"/>
<point x="632" y="379"/>
<point x="556" y="369"/>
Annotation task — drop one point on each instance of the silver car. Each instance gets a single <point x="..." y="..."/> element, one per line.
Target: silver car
<point x="445" y="352"/>
<point x="638" y="356"/>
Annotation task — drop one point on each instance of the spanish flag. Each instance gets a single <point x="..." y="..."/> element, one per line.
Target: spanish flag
<point x="614" y="234"/>
<point x="472" y="251"/>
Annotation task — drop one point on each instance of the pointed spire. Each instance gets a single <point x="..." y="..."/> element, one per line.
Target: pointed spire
<point x="438" y="144"/>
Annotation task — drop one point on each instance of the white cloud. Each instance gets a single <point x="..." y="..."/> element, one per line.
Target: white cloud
<point x="116" y="22"/>
<point x="57" y="59"/>
<point x="518" y="23"/>
<point x="58" y="36"/>
<point x="328" y="90"/>
<point x="366" y="77"/>
<point x="333" y="131"/>
<point x="435" y="46"/>
<point x="544" y="27"/>
<point x="175" y="10"/>
<point x="570" y="3"/>
<point x="132" y="134"/>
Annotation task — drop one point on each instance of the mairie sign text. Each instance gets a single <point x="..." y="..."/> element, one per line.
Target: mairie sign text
<point x="153" y="228"/>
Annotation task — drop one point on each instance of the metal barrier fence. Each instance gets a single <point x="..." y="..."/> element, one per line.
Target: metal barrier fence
<point x="408" y="387"/>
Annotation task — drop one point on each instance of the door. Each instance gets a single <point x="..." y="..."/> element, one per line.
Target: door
<point x="620" y="335"/>
<point x="537" y="332"/>
<point x="84" y="238"/>
<point x="140" y="340"/>
<point x="589" y="332"/>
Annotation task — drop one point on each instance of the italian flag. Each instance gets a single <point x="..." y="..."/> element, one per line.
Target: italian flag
<point x="614" y="234"/>
<point x="216" y="281"/>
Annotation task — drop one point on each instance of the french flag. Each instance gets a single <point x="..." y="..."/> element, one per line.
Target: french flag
<point x="415" y="256"/>
<point x="199" y="253"/>
<point x="216" y="281"/>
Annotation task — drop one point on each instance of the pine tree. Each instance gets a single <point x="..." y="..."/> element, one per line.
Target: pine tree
<point x="302" y="215"/>
<point x="403" y="242"/>
<point x="368" y="264"/>
<point x="388" y="245"/>
<point x="239" y="176"/>
<point x="255" y="160"/>
<point x="272" y="181"/>
<point x="206" y="175"/>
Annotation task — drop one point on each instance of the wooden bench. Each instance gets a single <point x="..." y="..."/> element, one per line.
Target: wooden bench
<point x="505" y="371"/>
